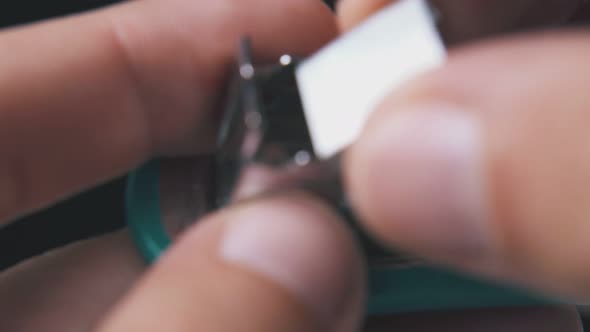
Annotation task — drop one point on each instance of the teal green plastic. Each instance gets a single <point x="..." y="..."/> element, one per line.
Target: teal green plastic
<point x="406" y="290"/>
<point x="143" y="211"/>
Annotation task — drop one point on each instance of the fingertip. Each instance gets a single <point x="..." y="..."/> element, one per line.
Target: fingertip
<point x="526" y="202"/>
<point x="302" y="245"/>
<point x="350" y="13"/>
<point x="415" y="176"/>
<point x="285" y="263"/>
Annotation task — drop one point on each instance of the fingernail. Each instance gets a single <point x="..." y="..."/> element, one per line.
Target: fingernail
<point x="297" y="248"/>
<point x="425" y="171"/>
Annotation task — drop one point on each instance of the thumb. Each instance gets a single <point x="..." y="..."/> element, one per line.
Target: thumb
<point x="485" y="164"/>
<point x="285" y="264"/>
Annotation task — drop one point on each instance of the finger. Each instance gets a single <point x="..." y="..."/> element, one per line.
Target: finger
<point x="284" y="264"/>
<point x="86" y="98"/>
<point x="484" y="164"/>
<point x="463" y="20"/>
<point x="548" y="319"/>
<point x="68" y="289"/>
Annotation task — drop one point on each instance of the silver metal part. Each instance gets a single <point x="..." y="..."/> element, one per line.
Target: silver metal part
<point x="286" y="60"/>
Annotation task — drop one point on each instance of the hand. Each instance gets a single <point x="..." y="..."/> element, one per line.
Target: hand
<point x="113" y="88"/>
<point x="86" y="98"/>
<point x="483" y="164"/>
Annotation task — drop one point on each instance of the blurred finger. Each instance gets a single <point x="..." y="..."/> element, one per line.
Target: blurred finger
<point x="284" y="264"/>
<point x="484" y="164"/>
